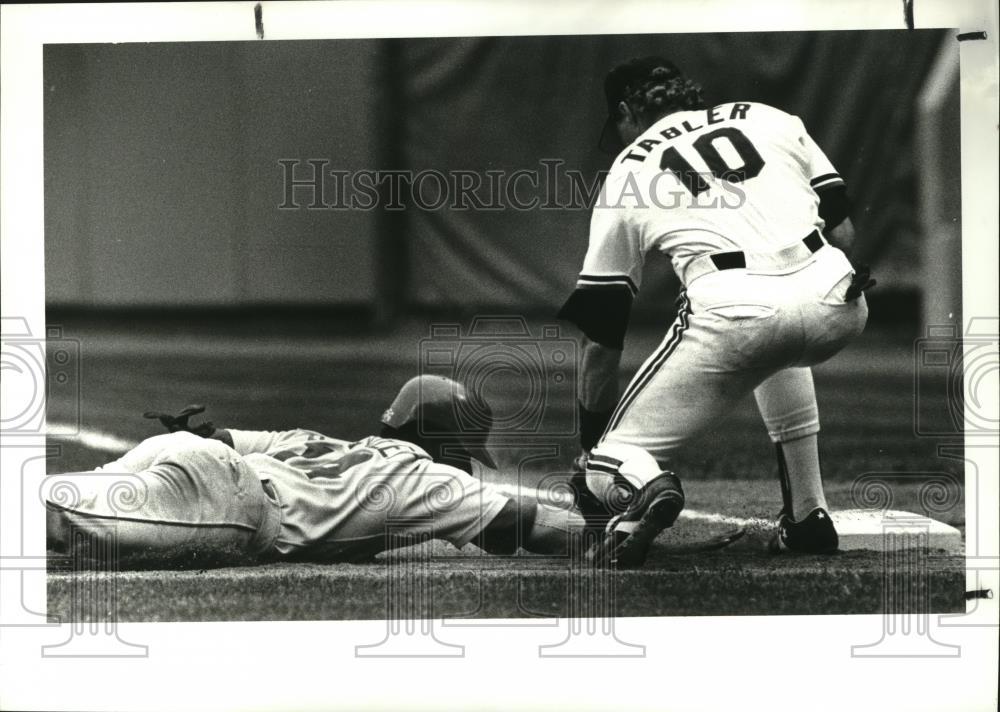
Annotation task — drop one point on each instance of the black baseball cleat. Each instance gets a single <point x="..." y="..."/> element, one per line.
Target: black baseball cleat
<point x="595" y="515"/>
<point x="813" y="535"/>
<point x="628" y="536"/>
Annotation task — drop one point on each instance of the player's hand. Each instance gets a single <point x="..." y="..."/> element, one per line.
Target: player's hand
<point x="580" y="462"/>
<point x="179" y="422"/>
<point x="861" y="281"/>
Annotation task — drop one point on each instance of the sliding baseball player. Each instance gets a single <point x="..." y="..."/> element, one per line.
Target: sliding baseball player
<point x="298" y="494"/>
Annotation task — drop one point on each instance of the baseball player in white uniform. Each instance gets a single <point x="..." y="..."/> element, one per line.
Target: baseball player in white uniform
<point x="299" y="494"/>
<point x="754" y="219"/>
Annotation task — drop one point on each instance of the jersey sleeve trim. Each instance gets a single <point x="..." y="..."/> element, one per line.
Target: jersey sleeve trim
<point x="597" y="281"/>
<point x="827" y="180"/>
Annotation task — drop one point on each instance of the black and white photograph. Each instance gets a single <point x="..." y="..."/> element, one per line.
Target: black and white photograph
<point x="603" y="340"/>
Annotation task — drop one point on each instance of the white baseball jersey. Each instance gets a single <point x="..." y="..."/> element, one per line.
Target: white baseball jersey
<point x="739" y="176"/>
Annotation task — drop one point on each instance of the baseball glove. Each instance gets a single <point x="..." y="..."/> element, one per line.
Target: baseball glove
<point x="861" y="281"/>
<point x="179" y="422"/>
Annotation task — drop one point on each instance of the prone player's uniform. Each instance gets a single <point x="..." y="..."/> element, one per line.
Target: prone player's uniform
<point x="730" y="196"/>
<point x="291" y="494"/>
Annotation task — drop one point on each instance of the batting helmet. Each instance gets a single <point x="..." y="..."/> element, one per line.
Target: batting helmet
<point x="442" y="410"/>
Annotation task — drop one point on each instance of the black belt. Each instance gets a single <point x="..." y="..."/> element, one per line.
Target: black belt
<point x="738" y="260"/>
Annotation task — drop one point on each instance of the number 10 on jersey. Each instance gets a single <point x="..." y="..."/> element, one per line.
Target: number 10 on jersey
<point x="752" y="163"/>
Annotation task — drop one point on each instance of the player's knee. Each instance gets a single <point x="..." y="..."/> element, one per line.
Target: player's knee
<point x="616" y="470"/>
<point x="67" y="531"/>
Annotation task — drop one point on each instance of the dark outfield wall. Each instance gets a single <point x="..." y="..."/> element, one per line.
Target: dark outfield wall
<point x="164" y="181"/>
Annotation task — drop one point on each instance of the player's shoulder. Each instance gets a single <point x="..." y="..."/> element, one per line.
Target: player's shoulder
<point x="622" y="185"/>
<point x="755" y="106"/>
<point x="764" y="121"/>
<point x="389" y="447"/>
<point x="621" y="168"/>
<point x="755" y="111"/>
<point x="313" y="436"/>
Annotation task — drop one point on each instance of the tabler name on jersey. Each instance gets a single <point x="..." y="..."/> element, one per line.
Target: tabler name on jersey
<point x="712" y="116"/>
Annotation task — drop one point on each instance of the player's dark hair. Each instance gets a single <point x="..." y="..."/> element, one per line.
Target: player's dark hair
<point x="660" y="95"/>
<point x="652" y="87"/>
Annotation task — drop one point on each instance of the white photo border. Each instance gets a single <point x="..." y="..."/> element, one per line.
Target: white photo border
<point x="690" y="663"/>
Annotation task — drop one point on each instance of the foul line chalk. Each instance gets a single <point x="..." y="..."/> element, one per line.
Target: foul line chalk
<point x="88" y="437"/>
